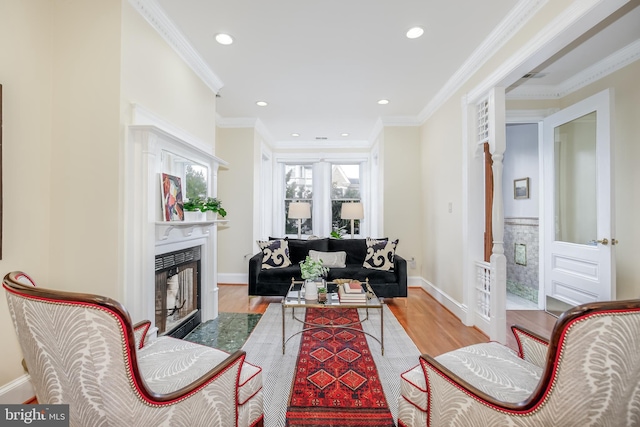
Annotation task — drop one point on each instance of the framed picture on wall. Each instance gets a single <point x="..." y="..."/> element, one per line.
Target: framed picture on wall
<point x="521" y="188"/>
<point x="521" y="254"/>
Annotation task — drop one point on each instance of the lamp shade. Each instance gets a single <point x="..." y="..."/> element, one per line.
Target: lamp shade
<point x="299" y="210"/>
<point x="352" y="211"/>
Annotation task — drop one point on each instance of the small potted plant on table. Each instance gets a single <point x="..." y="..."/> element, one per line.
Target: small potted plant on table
<point x="311" y="270"/>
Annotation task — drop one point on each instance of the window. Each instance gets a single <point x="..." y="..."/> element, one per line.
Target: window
<point x="345" y="188"/>
<point x="193" y="175"/>
<point x="325" y="185"/>
<point x="298" y="188"/>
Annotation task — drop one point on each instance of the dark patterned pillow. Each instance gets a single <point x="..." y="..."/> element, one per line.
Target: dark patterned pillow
<point x="380" y="254"/>
<point x="275" y="253"/>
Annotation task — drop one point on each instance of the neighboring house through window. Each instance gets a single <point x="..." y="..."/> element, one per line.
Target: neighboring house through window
<point x="326" y="185"/>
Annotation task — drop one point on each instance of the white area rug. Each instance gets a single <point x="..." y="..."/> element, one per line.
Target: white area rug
<point x="264" y="348"/>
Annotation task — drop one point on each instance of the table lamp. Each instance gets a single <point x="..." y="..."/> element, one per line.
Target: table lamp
<point x="299" y="211"/>
<point x="352" y="211"/>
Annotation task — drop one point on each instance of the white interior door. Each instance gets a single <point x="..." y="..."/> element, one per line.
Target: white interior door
<point x="578" y="216"/>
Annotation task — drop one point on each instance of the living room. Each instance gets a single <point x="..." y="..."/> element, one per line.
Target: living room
<point x="71" y="72"/>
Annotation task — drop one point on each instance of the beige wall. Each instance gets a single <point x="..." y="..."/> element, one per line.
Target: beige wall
<point x="402" y="189"/>
<point x="25" y="74"/>
<point x="69" y="71"/>
<point x="235" y="189"/>
<point x="155" y="77"/>
<point x="85" y="164"/>
<point x="441" y="165"/>
<point x="441" y="141"/>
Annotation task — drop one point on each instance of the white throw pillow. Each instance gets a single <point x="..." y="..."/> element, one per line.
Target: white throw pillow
<point x="330" y="259"/>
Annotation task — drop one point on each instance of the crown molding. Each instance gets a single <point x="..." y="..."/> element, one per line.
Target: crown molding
<point x="528" y="116"/>
<point x="509" y="26"/>
<point x="612" y="63"/>
<point x="329" y="144"/>
<point x="573" y="21"/>
<point x="246" y="123"/>
<point x="153" y="13"/>
<point x="378" y="127"/>
<point x="264" y="133"/>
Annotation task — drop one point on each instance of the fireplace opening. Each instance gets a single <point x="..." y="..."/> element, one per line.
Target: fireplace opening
<point x="178" y="305"/>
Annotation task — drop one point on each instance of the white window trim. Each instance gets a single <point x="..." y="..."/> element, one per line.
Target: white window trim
<point x="321" y="188"/>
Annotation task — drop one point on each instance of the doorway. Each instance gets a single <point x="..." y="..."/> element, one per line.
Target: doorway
<point x="578" y="239"/>
<point x="521" y="190"/>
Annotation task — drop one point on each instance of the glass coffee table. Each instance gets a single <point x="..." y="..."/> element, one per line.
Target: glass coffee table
<point x="295" y="299"/>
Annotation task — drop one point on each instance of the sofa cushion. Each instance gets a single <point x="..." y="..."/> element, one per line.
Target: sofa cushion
<point x="380" y="254"/>
<point x="330" y="259"/>
<point x="280" y="275"/>
<point x="299" y="249"/>
<point x="355" y="271"/>
<point x="275" y="253"/>
<point x="356" y="249"/>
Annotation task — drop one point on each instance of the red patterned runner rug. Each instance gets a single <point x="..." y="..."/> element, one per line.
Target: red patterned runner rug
<point x="336" y="381"/>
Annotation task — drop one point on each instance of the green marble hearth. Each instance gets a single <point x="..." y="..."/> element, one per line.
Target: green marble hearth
<point x="227" y="332"/>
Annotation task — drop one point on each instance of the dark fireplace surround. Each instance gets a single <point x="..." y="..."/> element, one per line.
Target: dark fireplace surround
<point x="177" y="292"/>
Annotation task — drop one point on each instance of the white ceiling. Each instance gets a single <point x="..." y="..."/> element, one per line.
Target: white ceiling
<point x="322" y="66"/>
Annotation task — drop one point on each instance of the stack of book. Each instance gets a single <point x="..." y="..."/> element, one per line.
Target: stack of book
<point x="352" y="292"/>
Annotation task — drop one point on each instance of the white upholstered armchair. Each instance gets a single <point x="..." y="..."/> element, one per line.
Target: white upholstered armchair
<point x="587" y="374"/>
<point x="82" y="350"/>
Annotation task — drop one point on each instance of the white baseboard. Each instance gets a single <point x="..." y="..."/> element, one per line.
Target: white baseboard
<point x="17" y="391"/>
<point x="459" y="310"/>
<point x="235" y="278"/>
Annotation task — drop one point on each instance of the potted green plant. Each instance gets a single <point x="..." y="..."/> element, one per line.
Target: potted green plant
<point x="311" y="270"/>
<point x="193" y="209"/>
<point x="213" y="207"/>
<point x="322" y="294"/>
<point x="337" y="232"/>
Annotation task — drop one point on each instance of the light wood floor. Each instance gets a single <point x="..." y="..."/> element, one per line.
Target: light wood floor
<point x="433" y="328"/>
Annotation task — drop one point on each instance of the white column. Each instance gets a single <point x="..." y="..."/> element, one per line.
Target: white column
<point x="497" y="144"/>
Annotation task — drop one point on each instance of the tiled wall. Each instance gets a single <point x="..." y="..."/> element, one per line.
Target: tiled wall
<point x="522" y="280"/>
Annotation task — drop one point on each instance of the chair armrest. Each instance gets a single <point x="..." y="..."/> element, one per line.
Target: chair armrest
<point x="438" y="376"/>
<point x="229" y="367"/>
<point x="140" y="330"/>
<point x="255" y="265"/>
<point x="531" y="346"/>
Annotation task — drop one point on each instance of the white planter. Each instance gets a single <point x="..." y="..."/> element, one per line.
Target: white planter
<point x="212" y="216"/>
<point x="193" y="216"/>
<point x="310" y="290"/>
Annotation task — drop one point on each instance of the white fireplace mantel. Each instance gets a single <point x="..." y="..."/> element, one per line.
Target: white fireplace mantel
<point x="146" y="234"/>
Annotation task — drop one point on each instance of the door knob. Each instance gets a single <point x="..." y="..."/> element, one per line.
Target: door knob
<point x="604" y="241"/>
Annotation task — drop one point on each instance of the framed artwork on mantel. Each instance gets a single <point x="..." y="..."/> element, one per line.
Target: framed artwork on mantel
<point x="172" y="198"/>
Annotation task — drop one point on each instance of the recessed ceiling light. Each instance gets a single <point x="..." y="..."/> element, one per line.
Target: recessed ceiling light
<point x="224" y="39"/>
<point x="344" y="134"/>
<point x="383" y="102"/>
<point x="261" y="103"/>
<point x="415" y="32"/>
<point x="295" y="134"/>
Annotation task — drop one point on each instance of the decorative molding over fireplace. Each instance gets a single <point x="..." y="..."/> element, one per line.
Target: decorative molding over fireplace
<point x="146" y="234"/>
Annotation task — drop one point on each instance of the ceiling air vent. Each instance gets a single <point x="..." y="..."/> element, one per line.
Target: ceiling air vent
<point x="534" y="75"/>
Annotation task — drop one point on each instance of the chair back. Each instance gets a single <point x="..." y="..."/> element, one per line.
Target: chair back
<point x="79" y="348"/>
<point x="593" y="364"/>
